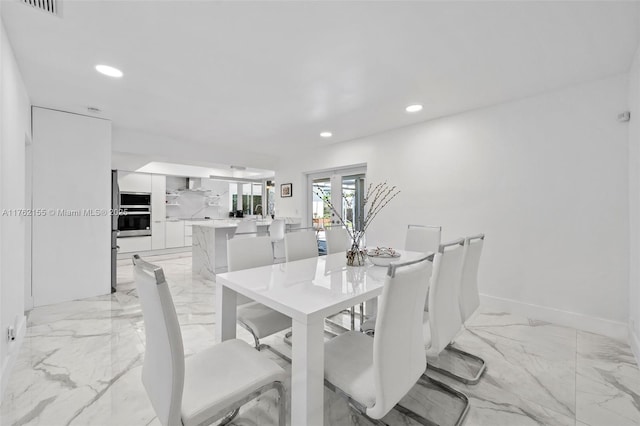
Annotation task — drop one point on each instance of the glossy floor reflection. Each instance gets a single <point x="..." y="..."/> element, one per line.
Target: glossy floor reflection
<point x="81" y="361"/>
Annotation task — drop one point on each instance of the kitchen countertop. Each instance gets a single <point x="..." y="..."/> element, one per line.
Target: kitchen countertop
<point x="226" y="224"/>
<point x="209" y="249"/>
<point x="230" y="222"/>
<point x="190" y="219"/>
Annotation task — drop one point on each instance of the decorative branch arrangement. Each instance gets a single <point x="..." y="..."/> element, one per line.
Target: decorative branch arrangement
<point x="376" y="197"/>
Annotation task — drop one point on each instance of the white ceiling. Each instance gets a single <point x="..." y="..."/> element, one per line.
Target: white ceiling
<point x="217" y="170"/>
<point x="264" y="77"/>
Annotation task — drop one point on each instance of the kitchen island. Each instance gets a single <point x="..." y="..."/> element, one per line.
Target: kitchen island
<point x="209" y="247"/>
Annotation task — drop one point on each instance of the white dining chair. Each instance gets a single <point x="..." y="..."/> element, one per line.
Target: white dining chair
<point x="208" y="386"/>
<point x="247" y="228"/>
<point x="469" y="295"/>
<point x="375" y="373"/>
<point x="337" y="239"/>
<point x="420" y="238"/>
<point x="276" y="232"/>
<point x="256" y="318"/>
<point x="441" y="321"/>
<point x="300" y="245"/>
<point x="424" y="239"/>
<point x="468" y="302"/>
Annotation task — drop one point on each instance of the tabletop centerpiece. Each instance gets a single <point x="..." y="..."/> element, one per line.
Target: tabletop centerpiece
<point x="376" y="198"/>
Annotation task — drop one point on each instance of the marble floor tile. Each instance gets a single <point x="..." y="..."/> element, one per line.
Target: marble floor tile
<point x="60" y="376"/>
<point x="535" y="361"/>
<point x="524" y="382"/>
<point x="80" y="364"/>
<point x="607" y="382"/>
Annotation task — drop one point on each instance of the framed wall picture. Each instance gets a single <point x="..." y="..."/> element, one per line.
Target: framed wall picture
<point x="286" y="190"/>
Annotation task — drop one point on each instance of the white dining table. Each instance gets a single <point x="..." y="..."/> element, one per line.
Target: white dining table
<point x="308" y="291"/>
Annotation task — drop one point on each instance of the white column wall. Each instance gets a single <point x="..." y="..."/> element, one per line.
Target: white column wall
<point x="634" y="205"/>
<point x="15" y="128"/>
<point x="546" y="178"/>
<point x="72" y="171"/>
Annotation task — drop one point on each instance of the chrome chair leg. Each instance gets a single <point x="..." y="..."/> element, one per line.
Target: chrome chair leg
<point x="230" y="412"/>
<point x="232" y="415"/>
<point x="352" y="311"/>
<point x="456" y="393"/>
<point x="414" y="416"/>
<point x="469" y="381"/>
<point x="354" y="405"/>
<point x="364" y="414"/>
<point x="352" y="316"/>
<point x="282" y="404"/>
<point x="261" y="346"/>
<point x="275" y="351"/>
<point x="256" y="341"/>
<point x="287" y="338"/>
<point x="336" y="324"/>
<point x="426" y="380"/>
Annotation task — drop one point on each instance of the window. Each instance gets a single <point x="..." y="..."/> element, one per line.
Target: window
<point x="251" y="202"/>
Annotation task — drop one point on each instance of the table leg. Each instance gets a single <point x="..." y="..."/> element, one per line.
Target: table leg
<point x="225" y="313"/>
<point x="307" y="374"/>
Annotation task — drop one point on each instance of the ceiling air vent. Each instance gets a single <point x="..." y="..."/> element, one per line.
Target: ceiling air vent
<point x="49" y="6"/>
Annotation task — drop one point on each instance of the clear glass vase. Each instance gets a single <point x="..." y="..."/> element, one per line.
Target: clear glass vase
<point x="355" y="255"/>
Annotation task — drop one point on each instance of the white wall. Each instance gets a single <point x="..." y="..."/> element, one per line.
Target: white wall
<point x="634" y="205"/>
<point x="546" y="178"/>
<point x="72" y="171"/>
<point x="15" y="125"/>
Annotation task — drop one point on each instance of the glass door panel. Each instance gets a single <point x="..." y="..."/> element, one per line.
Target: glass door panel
<point x="352" y="190"/>
<point x="320" y="212"/>
<point x="346" y="193"/>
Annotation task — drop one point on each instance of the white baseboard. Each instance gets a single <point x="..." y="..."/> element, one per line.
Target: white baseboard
<point x="28" y="302"/>
<point x="634" y="342"/>
<point x="614" y="329"/>
<point x="12" y="355"/>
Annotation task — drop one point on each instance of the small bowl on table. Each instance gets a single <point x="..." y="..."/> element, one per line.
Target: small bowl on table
<point x="382" y="256"/>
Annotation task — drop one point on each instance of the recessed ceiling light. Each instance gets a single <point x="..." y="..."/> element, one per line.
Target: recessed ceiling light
<point x="110" y="71"/>
<point x="414" y="108"/>
<point x="326" y="134"/>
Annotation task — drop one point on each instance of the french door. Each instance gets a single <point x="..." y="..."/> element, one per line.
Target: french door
<point x="345" y="189"/>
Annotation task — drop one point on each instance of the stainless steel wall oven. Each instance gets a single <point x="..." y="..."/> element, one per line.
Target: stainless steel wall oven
<point x="135" y="214"/>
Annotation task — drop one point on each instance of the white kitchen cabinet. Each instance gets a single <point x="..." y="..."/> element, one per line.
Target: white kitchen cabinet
<point x="188" y="227"/>
<point x="158" y="211"/>
<point x="158" y="234"/>
<point x="134" y="244"/>
<point x="134" y="182"/>
<point x="174" y="233"/>
<point x="188" y="232"/>
<point x="158" y="197"/>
